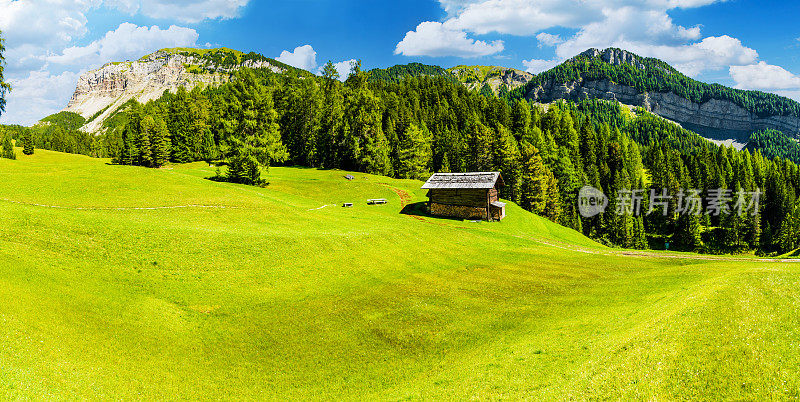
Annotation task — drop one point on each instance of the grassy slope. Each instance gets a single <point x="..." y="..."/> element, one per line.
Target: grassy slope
<point x="271" y="296"/>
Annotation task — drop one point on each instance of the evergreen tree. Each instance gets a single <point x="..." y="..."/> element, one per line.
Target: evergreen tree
<point x="209" y="150"/>
<point x="160" y="143"/>
<point x="329" y="75"/>
<point x="255" y="140"/>
<point x="144" y="151"/>
<point x="415" y="153"/>
<point x="8" y="147"/>
<point x="27" y="143"/>
<point x="507" y="160"/>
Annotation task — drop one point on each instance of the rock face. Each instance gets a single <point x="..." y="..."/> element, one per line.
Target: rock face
<point x="109" y="87"/>
<point x="715" y="119"/>
<point x="475" y="77"/>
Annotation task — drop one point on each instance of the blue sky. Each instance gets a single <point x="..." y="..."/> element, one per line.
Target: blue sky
<point x="740" y="43"/>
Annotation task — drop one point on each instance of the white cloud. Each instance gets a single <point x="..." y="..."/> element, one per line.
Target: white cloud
<point x="536" y="66"/>
<point x="529" y="17"/>
<point x="549" y="40"/>
<point x="304" y="57"/>
<point x="642" y="26"/>
<point x="127" y="42"/>
<point x="437" y="40"/>
<point x="342" y="67"/>
<point x="38" y="95"/>
<point x="187" y="11"/>
<point x="34" y="28"/>
<point x="763" y="76"/>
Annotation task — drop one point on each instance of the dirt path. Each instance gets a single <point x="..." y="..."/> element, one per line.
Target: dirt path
<point x="405" y="198"/>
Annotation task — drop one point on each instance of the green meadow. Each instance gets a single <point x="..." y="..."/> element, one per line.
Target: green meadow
<point x="121" y="282"/>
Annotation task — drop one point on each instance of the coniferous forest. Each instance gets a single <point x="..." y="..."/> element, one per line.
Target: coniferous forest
<point x="410" y="127"/>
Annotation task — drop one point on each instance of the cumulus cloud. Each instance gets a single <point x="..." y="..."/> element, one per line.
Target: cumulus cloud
<point x="34" y="28"/>
<point x="643" y="27"/>
<point x="529" y="17"/>
<point x="763" y="76"/>
<point x="37" y="95"/>
<point x="128" y="41"/>
<point x="536" y="66"/>
<point x="546" y="39"/>
<point x="342" y="67"/>
<point x="437" y="39"/>
<point x="304" y="57"/>
<point x="187" y="11"/>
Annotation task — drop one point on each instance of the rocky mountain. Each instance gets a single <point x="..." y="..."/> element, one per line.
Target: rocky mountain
<point x="715" y="112"/>
<point x="476" y="77"/>
<point x="101" y="92"/>
<point x="473" y="77"/>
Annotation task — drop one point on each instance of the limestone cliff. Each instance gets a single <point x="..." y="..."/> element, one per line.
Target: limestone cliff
<point x="101" y="92"/>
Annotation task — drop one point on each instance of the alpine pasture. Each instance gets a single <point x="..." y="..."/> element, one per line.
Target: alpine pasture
<point x="125" y="282"/>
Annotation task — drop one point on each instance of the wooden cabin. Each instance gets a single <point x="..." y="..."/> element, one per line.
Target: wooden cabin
<point x="466" y="195"/>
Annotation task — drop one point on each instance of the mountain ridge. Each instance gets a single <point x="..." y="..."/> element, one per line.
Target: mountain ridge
<point x="715" y="111"/>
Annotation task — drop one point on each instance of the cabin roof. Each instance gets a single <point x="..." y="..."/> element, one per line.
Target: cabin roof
<point x="474" y="180"/>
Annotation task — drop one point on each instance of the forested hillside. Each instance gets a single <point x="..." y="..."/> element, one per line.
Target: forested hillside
<point x="773" y="143"/>
<point x="411" y="127"/>
<point x="403" y="71"/>
<point x="653" y="75"/>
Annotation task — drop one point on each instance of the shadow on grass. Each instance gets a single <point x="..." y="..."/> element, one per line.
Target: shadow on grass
<point x="224" y="179"/>
<point x="420" y="209"/>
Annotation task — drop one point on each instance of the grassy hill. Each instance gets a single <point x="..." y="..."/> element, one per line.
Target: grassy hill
<point x="125" y="282"/>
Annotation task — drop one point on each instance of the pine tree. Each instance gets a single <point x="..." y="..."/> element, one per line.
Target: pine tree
<point x="144" y="151"/>
<point x="8" y="147"/>
<point x="367" y="145"/>
<point x="330" y="75"/>
<point x="507" y="159"/>
<point x="538" y="186"/>
<point x="481" y="148"/>
<point x="160" y="143"/>
<point x="521" y="119"/>
<point x="209" y="150"/>
<point x="414" y="153"/>
<point x="255" y="137"/>
<point x="27" y="143"/>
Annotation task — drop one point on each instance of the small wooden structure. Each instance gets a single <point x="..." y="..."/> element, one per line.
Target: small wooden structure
<point x="466" y="195"/>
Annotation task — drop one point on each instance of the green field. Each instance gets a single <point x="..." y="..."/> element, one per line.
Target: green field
<point x="132" y="283"/>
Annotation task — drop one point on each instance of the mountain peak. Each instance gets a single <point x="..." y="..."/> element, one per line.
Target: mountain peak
<point x="614" y="56"/>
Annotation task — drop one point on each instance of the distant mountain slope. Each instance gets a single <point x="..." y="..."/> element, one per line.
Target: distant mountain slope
<point x="713" y="110"/>
<point x="101" y="92"/>
<point x="473" y="77"/>
<point x="773" y="144"/>
<point x="476" y="77"/>
<point x="401" y="71"/>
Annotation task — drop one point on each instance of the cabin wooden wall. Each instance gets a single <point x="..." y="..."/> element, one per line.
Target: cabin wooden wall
<point x="464" y="197"/>
<point x="457" y="211"/>
<point x="493" y="195"/>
